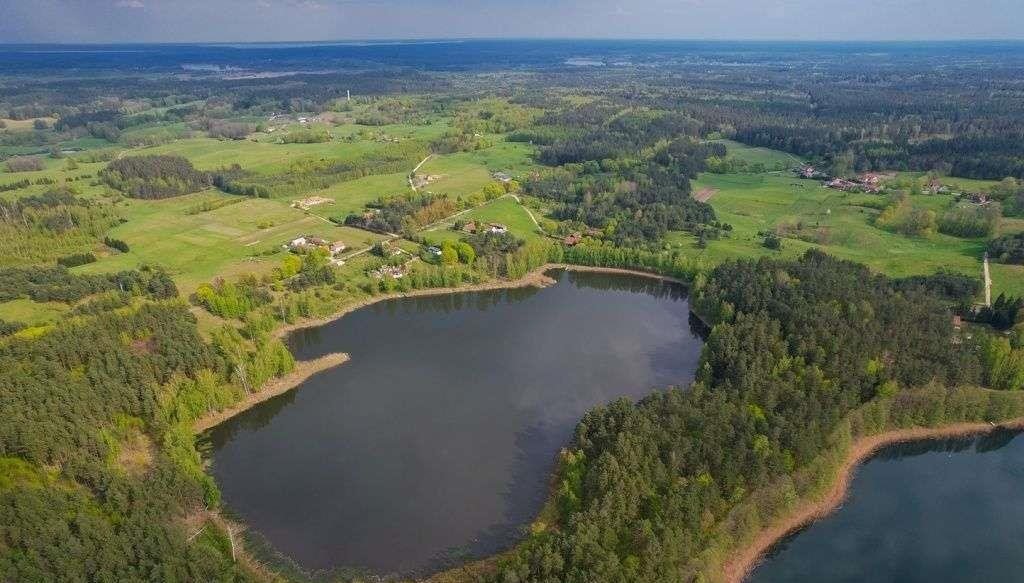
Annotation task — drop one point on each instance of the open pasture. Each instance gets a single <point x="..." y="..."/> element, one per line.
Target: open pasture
<point x="836" y="222"/>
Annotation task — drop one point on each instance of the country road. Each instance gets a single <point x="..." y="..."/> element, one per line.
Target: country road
<point x="988" y="282"/>
<point x="414" y="170"/>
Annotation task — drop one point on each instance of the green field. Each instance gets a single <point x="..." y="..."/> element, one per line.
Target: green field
<point x="505" y="210"/>
<point x="238" y="238"/>
<point x="754" y="155"/>
<point x="259" y="157"/>
<point x="838" y="224"/>
<point x="353" y="195"/>
<point x="466" y="173"/>
<point x="195" y="248"/>
<point x="31" y="313"/>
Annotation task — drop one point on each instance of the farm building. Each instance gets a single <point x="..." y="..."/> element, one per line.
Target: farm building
<point x="307" y="203"/>
<point x="809" y="172"/>
<point x="305" y="243"/>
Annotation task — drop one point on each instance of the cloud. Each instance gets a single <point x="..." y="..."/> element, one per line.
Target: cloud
<point x="129" y="4"/>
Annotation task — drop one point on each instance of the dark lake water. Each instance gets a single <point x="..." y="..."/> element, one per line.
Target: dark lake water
<point x="931" y="512"/>
<point x="435" y="442"/>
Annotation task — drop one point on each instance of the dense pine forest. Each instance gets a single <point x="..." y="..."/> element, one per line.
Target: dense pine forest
<point x="796" y="348"/>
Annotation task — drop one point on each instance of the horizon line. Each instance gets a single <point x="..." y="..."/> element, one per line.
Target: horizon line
<point x="440" y="40"/>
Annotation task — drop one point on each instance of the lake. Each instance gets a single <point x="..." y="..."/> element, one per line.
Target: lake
<point x="936" y="511"/>
<point x="435" y="443"/>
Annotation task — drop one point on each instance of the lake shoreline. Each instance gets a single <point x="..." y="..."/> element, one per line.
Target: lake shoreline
<point x="534" y="278"/>
<point x="276" y="386"/>
<point x="746" y="559"/>
<point x="307" y="368"/>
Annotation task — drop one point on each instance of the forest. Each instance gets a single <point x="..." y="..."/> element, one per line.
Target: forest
<point x="145" y="273"/>
<point x="154" y="176"/>
<point x="632" y="200"/>
<point x="95" y="483"/>
<point x="796" y="347"/>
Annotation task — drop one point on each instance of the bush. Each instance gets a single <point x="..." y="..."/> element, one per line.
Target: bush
<point x="971" y="221"/>
<point x="77" y="259"/>
<point x="116" y="244"/>
<point x="1008" y="249"/>
<point x="24" y="164"/>
<point x="229" y="130"/>
<point x="307" y="136"/>
<point x="771" y="240"/>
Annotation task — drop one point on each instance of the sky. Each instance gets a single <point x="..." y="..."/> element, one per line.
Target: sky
<point x="118" y="21"/>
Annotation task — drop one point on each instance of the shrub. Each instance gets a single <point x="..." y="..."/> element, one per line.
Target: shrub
<point x="77" y="259"/>
<point x="1008" y="249"/>
<point x="24" y="164"/>
<point x="970" y="221"/>
<point x="116" y="244"/>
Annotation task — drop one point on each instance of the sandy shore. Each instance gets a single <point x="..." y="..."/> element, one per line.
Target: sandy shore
<point x="746" y="559"/>
<point x="535" y="278"/>
<point x="303" y="370"/>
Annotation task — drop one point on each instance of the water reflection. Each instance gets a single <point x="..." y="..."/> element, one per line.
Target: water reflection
<point x="945" y="510"/>
<point x="435" y="442"/>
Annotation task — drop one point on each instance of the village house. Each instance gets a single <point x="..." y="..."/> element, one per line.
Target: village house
<point x="573" y="239"/>
<point x="497" y="229"/>
<point x="308" y="202"/>
<point x="297" y="243"/>
<point x="808" y="172"/>
<point x="978" y="198"/>
<point x="434" y="250"/>
<point x="502" y="177"/>
<point x="338" y="247"/>
<point x="934" y="186"/>
<point x="470" y="227"/>
<point x="841" y="184"/>
<point x="305" y="243"/>
<point x="870" y="178"/>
